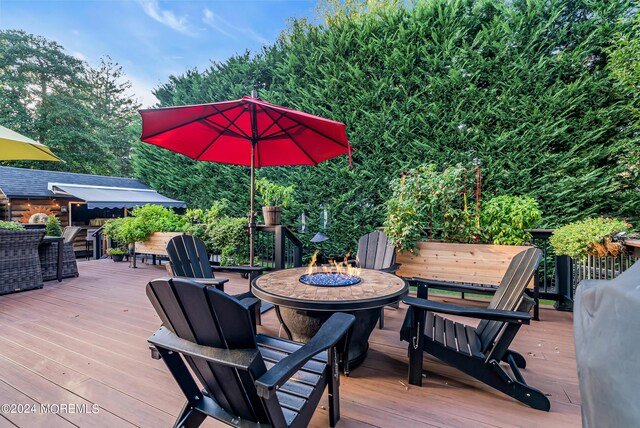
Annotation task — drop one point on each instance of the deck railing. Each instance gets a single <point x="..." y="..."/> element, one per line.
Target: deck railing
<point x="277" y="247"/>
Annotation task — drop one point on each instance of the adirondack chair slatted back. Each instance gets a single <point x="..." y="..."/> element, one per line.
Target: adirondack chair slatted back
<point x="189" y="258"/>
<point x="375" y="251"/>
<point x="509" y="294"/>
<point x="213" y="319"/>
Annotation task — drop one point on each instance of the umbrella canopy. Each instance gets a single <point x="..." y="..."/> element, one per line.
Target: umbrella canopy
<point x="248" y="131"/>
<point x="226" y="132"/>
<point x="14" y="146"/>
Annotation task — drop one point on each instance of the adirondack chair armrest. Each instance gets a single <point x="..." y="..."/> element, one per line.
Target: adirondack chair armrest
<point x="252" y="303"/>
<point x="482" y="313"/>
<point x="216" y="282"/>
<point x="331" y="332"/>
<point x="236" y="358"/>
<point x="392" y="269"/>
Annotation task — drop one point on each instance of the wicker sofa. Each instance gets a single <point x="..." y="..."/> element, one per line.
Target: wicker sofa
<point x="19" y="261"/>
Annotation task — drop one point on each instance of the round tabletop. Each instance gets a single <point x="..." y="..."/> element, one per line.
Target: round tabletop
<point x="283" y="287"/>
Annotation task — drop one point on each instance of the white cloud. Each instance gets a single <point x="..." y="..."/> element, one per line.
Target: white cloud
<point x="215" y="22"/>
<point x="167" y="17"/>
<point x="141" y="90"/>
<point x="79" y="55"/>
<point x="226" y="28"/>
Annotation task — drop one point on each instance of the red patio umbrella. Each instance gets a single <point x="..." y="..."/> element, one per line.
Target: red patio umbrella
<point x="248" y="131"/>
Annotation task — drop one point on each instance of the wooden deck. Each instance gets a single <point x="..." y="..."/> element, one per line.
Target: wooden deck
<point x="83" y="341"/>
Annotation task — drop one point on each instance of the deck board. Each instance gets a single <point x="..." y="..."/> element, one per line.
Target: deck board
<point x="84" y="341"/>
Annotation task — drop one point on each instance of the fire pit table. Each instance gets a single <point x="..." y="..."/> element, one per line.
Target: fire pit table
<point x="304" y="302"/>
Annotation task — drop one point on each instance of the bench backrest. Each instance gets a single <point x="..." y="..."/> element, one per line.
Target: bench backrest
<point x="465" y="263"/>
<point x="189" y="258"/>
<point x="375" y="251"/>
<point x="206" y="316"/>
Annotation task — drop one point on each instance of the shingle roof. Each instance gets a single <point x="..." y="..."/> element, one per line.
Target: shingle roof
<point x="33" y="183"/>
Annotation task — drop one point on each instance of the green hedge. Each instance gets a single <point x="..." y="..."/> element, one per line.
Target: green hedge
<point x="521" y="86"/>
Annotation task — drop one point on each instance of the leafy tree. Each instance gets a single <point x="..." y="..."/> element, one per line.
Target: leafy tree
<point x="83" y="115"/>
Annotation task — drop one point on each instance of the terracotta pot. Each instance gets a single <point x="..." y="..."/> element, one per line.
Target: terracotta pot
<point x="272" y="215"/>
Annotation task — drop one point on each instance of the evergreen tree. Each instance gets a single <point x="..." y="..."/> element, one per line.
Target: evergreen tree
<point x="522" y="86"/>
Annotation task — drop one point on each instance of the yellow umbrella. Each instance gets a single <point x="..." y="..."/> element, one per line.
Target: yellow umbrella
<point x="14" y="146"/>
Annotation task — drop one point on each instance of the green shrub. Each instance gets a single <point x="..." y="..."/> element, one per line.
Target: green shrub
<point x="143" y="222"/>
<point x="160" y="219"/>
<point x="229" y="233"/>
<point x="11" y="225"/>
<point x="127" y="230"/>
<point x="580" y="238"/>
<point x="53" y="227"/>
<point x="505" y="219"/>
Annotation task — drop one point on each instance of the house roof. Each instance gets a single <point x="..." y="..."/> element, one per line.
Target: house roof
<point x="98" y="191"/>
<point x="34" y="183"/>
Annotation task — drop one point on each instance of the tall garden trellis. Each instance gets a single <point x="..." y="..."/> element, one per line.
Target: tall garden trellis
<point x="441" y="204"/>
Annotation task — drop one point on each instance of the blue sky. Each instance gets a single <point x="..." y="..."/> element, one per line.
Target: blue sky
<point x="153" y="39"/>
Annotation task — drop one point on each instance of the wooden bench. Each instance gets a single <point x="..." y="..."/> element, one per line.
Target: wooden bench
<point x="473" y="268"/>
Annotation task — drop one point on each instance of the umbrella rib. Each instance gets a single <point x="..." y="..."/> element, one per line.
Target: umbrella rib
<point x="45" y="152"/>
<point x="185" y="123"/>
<point x="233" y="122"/>
<point x="309" y="128"/>
<point x="220" y="128"/>
<point x="278" y="134"/>
<point x="294" y="140"/>
<point x="214" y="126"/>
<point x="274" y="122"/>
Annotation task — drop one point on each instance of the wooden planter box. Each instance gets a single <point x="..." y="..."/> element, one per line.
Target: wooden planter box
<point x="156" y="245"/>
<point x="461" y="263"/>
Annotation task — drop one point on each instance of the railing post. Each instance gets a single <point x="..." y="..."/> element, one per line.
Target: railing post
<point x="280" y="248"/>
<point x="564" y="283"/>
<point x="297" y="256"/>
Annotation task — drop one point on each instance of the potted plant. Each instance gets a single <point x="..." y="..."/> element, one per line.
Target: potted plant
<point x="52" y="226"/>
<point x="274" y="196"/>
<point x="589" y="237"/>
<point x="117" y="254"/>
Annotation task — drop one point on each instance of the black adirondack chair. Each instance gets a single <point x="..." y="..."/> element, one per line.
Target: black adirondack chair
<point x="478" y="351"/>
<point x="241" y="379"/>
<point x="189" y="259"/>
<point x="375" y="251"/>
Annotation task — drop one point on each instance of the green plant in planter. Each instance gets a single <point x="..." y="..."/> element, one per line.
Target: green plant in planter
<point x="116" y="251"/>
<point x="160" y="219"/>
<point x="52" y="227"/>
<point x="589" y="236"/>
<point x="128" y="230"/>
<point x="11" y="225"/>
<point x="273" y="194"/>
<point x="200" y="218"/>
<point x="505" y="219"/>
<point x="425" y="197"/>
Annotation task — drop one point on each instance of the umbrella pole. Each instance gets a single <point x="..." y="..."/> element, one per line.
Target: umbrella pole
<point x="252" y="217"/>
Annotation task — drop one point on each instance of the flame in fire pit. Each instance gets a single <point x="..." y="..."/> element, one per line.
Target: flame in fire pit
<point x="342" y="268"/>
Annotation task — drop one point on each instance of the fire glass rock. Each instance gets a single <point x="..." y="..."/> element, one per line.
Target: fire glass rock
<point x="329" y="279"/>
